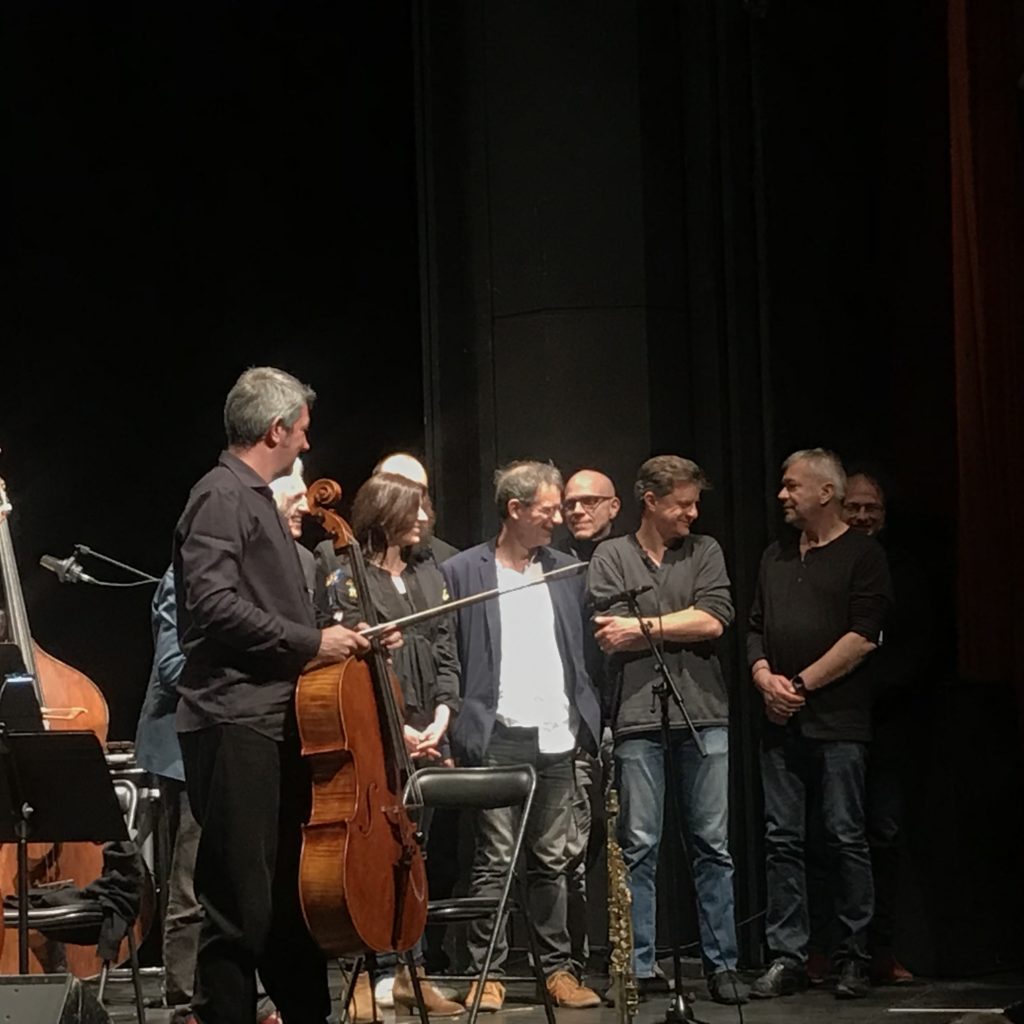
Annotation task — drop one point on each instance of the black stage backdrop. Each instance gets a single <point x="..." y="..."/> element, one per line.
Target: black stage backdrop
<point x="192" y="189"/>
<point x="487" y="230"/>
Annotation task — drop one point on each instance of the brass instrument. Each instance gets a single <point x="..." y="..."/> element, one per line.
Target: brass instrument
<point x="620" y="919"/>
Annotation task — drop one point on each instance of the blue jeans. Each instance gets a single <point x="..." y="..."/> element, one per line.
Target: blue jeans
<point x="827" y="778"/>
<point x="703" y="793"/>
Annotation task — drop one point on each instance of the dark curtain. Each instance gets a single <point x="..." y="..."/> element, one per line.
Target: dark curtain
<point x="986" y="61"/>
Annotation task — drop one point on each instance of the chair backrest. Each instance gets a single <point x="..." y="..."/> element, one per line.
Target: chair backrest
<point x="128" y="797"/>
<point x="503" y="786"/>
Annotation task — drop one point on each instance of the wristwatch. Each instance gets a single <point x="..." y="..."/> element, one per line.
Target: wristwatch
<point x="798" y="684"/>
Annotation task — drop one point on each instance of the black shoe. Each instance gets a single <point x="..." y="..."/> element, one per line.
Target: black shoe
<point x="853" y="980"/>
<point x="781" y="979"/>
<point x="726" y="987"/>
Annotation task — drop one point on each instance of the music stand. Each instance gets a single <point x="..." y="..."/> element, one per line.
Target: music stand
<point x="55" y="787"/>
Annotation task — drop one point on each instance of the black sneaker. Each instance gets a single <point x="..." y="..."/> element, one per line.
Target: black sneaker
<point x="781" y="979"/>
<point x="853" y="980"/>
<point x="727" y="987"/>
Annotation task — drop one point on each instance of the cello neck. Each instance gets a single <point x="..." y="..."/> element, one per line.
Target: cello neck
<point x="379" y="667"/>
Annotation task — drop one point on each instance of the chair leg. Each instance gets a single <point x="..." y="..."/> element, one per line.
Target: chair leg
<point x="410" y="963"/>
<point x="500" y="919"/>
<point x="101" y="990"/>
<point x="531" y="938"/>
<point x="360" y="966"/>
<point x="133" y="952"/>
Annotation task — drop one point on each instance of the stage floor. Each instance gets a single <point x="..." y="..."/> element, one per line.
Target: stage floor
<point x="925" y="1002"/>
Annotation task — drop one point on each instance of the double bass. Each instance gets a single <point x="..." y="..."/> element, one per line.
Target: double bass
<point x="362" y="877"/>
<point x="68" y="699"/>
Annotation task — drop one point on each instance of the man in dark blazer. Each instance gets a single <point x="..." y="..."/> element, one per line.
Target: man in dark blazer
<point x="527" y="698"/>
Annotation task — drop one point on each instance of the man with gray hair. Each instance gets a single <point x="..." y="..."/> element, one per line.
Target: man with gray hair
<point x="247" y="628"/>
<point x="821" y="599"/>
<point x="527" y="698"/>
<point x="687" y="607"/>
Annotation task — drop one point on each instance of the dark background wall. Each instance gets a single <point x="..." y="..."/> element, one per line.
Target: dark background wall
<point x="485" y="231"/>
<point x="192" y="190"/>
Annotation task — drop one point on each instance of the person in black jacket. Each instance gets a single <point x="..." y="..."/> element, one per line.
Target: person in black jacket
<point x="388" y="519"/>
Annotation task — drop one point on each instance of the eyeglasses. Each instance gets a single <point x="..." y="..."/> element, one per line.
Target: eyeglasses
<point x="871" y="508"/>
<point x="546" y="511"/>
<point x="588" y="501"/>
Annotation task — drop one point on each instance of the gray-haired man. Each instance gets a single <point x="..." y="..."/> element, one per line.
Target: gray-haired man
<point x="822" y="596"/>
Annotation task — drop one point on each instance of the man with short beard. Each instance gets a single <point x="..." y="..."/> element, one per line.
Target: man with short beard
<point x="821" y="600"/>
<point x="687" y="608"/>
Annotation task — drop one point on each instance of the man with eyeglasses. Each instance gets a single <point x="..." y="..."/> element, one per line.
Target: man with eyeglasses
<point x="898" y="669"/>
<point x="687" y="607"/>
<point x="589" y="509"/>
<point x="527" y="698"/>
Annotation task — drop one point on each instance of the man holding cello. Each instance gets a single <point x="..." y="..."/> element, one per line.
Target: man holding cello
<point x="247" y="628"/>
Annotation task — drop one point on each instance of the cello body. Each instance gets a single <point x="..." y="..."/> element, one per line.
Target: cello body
<point x="363" y="880"/>
<point x="362" y="876"/>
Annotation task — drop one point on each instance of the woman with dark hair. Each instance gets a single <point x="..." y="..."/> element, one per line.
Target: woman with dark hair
<point x="388" y="518"/>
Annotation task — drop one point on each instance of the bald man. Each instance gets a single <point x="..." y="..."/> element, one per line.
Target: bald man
<point x="404" y="464"/>
<point x="589" y="508"/>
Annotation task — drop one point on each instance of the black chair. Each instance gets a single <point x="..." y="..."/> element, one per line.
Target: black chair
<point x="483" y="789"/>
<point x="88" y="914"/>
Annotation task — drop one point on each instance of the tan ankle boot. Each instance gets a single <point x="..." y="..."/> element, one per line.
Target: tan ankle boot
<point x="361" y="1007"/>
<point x="436" y="1004"/>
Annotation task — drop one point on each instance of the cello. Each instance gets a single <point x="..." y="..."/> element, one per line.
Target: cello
<point x="68" y="699"/>
<point x="362" y="877"/>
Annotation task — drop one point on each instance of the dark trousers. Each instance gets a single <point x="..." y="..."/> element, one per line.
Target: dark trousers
<point x="250" y="796"/>
<point x="886" y="768"/>
<point x="544" y="842"/>
<point x="884" y="796"/>
<point x="797" y="771"/>
<point x="184" y="915"/>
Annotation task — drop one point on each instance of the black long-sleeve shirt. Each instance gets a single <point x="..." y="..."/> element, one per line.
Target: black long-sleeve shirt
<point x="802" y="606"/>
<point x="245" y="618"/>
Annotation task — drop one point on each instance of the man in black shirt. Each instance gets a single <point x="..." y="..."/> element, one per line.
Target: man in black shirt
<point x="589" y="508"/>
<point x="818" y="610"/>
<point x="246" y="626"/>
<point x="899" y="672"/>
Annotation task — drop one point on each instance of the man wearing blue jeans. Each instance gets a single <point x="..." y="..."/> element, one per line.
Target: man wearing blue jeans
<point x="821" y="599"/>
<point x="687" y="606"/>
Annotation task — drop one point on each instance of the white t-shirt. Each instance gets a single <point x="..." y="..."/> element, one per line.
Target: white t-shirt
<point x="531" y="686"/>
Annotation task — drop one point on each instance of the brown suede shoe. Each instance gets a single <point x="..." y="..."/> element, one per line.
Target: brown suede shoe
<point x="361" y="1007"/>
<point x="436" y="1004"/>
<point x="566" y="991"/>
<point x="492" y="999"/>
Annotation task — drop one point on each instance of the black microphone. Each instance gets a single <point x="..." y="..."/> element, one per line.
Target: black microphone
<point x="602" y="604"/>
<point x="67" y="569"/>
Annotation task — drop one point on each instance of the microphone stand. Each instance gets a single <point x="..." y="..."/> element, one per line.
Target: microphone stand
<point x="81" y="549"/>
<point x="665" y="689"/>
